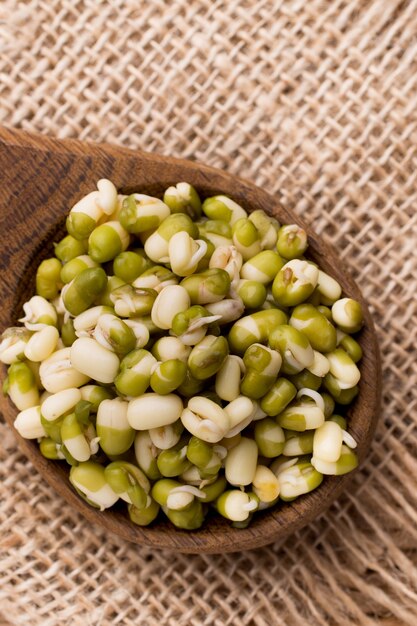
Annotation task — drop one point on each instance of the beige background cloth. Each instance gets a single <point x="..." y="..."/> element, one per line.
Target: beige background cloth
<point x="316" y="101"/>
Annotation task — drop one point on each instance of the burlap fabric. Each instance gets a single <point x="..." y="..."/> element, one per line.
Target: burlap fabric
<point x="316" y="101"/>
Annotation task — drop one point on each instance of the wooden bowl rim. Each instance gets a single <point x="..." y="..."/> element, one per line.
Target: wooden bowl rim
<point x="91" y="162"/>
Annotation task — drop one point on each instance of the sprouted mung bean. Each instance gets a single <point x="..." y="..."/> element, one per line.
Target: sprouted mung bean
<point x="182" y="355"/>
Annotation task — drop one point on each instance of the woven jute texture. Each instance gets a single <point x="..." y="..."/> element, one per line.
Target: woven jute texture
<point x="315" y="101"/>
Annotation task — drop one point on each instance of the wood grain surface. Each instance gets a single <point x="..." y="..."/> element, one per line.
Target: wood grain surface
<point x="41" y="178"/>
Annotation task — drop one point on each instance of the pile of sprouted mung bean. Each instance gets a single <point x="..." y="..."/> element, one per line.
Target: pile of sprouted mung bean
<point x="182" y="355"/>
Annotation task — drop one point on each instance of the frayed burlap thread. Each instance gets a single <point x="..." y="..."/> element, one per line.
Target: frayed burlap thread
<point x="315" y="101"/>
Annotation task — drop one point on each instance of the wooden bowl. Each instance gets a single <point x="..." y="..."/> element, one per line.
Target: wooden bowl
<point x="41" y="179"/>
